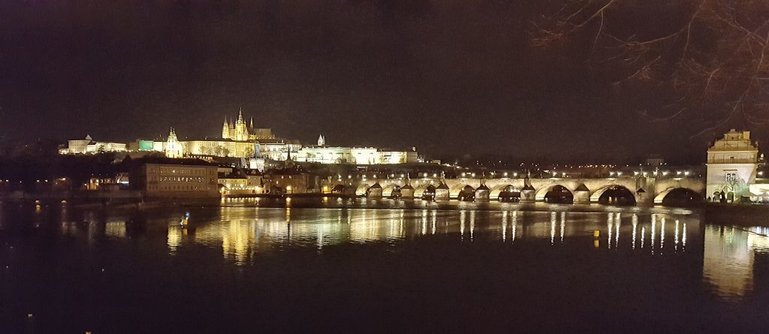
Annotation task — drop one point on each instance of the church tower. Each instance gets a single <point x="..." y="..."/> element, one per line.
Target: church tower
<point x="241" y="131"/>
<point x="321" y="141"/>
<point x="173" y="147"/>
<point x="226" y="129"/>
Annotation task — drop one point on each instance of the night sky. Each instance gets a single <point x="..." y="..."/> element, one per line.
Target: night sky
<point x="449" y="77"/>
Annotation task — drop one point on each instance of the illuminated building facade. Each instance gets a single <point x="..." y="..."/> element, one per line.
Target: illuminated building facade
<point x="354" y="155"/>
<point x="173" y="148"/>
<point x="290" y="180"/>
<point x="89" y="146"/>
<point x="175" y="178"/>
<point x="731" y="166"/>
<point x="232" y="184"/>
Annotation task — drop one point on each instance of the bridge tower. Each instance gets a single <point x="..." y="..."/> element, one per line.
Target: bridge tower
<point x="732" y="165"/>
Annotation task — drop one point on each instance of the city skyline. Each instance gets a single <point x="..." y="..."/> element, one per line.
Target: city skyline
<point x="436" y="75"/>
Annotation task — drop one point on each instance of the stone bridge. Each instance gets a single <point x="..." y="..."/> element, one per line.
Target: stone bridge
<point x="614" y="190"/>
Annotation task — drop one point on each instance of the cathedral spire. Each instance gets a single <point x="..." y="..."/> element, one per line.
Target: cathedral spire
<point x="240" y="115"/>
<point x="251" y="125"/>
<point x="226" y="128"/>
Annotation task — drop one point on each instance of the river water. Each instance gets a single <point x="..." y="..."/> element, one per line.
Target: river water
<point x="378" y="266"/>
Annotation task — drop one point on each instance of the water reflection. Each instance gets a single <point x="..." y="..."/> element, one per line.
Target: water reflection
<point x="239" y="234"/>
<point x="729" y="256"/>
<point x="243" y="232"/>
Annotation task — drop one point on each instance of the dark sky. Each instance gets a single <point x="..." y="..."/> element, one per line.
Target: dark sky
<point x="448" y="76"/>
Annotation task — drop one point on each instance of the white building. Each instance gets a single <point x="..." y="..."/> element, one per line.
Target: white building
<point x="89" y="146"/>
<point x="354" y="155"/>
<point x="732" y="165"/>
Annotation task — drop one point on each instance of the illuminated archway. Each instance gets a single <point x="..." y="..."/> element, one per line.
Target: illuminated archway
<point x="466" y="194"/>
<point x="509" y="194"/>
<point x="393" y="192"/>
<point x="339" y="189"/>
<point x="388" y="190"/>
<point x="678" y="196"/>
<point x="555" y="191"/>
<point x="558" y="194"/>
<point x="362" y="189"/>
<point x="613" y="195"/>
<point x="428" y="193"/>
<point x="496" y="190"/>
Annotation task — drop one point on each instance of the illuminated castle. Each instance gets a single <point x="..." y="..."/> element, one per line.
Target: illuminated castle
<point x="242" y="140"/>
<point x="239" y="131"/>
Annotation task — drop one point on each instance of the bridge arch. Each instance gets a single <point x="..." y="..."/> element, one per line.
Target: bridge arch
<point x="509" y="194"/>
<point x="678" y="196"/>
<point x="340" y="189"/>
<point x="457" y="188"/>
<point x="466" y="194"/>
<point x="362" y="189"/>
<point x="387" y="191"/>
<point x="554" y="193"/>
<point x="496" y="190"/>
<point x="613" y="194"/>
<point x="425" y="192"/>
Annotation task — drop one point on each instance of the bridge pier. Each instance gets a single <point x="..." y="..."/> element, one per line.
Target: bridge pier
<point x="643" y="198"/>
<point x="528" y="195"/>
<point x="582" y="197"/>
<point x="407" y="192"/>
<point x="482" y="193"/>
<point x="442" y="192"/>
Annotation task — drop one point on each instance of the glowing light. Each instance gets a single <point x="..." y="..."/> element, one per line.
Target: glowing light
<point x="472" y="224"/>
<point x="609" y="225"/>
<point x="662" y="233"/>
<point x="514" y="223"/>
<point x="504" y="226"/>
<point x="552" y="227"/>
<point x="616" y="230"/>
<point x="676" y="237"/>
<point x="434" y="221"/>
<point x="683" y="237"/>
<point x="654" y="228"/>
<point x="635" y="228"/>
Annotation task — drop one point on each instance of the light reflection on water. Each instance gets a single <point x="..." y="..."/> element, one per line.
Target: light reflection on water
<point x="729" y="257"/>
<point x="242" y="233"/>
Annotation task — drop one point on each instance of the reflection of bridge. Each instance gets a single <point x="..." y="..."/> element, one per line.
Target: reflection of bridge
<point x="621" y="190"/>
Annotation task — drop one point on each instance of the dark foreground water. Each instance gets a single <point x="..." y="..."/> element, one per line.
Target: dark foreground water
<point x="378" y="267"/>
